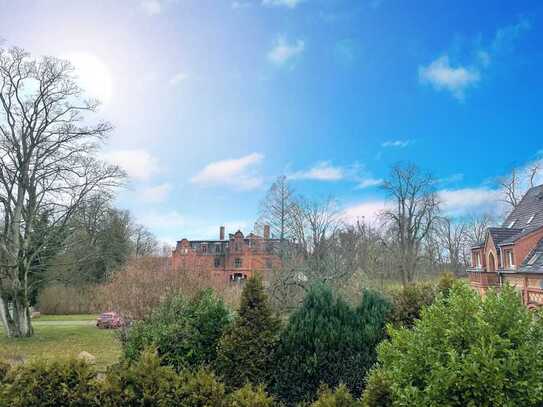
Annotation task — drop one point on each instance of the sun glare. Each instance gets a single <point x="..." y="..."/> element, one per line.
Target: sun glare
<point x="93" y="76"/>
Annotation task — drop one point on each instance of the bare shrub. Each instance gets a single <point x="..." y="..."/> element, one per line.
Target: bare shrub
<point x="62" y="300"/>
<point x="144" y="282"/>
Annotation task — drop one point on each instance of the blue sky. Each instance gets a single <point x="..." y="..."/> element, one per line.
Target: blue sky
<point x="212" y="99"/>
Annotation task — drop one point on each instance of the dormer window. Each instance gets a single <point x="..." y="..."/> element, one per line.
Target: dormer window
<point x="512" y="223"/>
<point x="531" y="219"/>
<point x="534" y="258"/>
<point x="510" y="257"/>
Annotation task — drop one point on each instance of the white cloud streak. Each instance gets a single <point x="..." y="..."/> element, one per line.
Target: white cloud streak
<point x="139" y="164"/>
<point x="282" y="3"/>
<point x="284" y="51"/>
<point x="155" y="194"/>
<point x="396" y="143"/>
<point x="237" y="173"/>
<point x="178" y="78"/>
<point x="441" y="75"/>
<point x="323" y="171"/>
<point x="151" y="7"/>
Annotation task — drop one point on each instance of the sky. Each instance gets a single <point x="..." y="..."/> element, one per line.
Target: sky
<point x="211" y="100"/>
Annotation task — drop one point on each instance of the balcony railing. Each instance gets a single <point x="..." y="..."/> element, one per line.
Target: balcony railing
<point x="481" y="278"/>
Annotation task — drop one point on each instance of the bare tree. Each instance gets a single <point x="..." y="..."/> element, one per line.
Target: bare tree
<point x="46" y="166"/>
<point x="145" y="243"/>
<point x="477" y="227"/>
<point x="515" y="185"/>
<point x="276" y="208"/>
<point x="414" y="210"/>
<point x="452" y="238"/>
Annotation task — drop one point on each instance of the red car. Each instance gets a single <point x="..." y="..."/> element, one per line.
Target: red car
<point x="109" y="320"/>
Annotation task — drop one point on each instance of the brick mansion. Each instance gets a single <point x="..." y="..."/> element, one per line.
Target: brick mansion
<point x="234" y="259"/>
<point x="513" y="253"/>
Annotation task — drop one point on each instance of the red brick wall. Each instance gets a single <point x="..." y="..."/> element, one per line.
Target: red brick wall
<point x="525" y="245"/>
<point x="254" y="259"/>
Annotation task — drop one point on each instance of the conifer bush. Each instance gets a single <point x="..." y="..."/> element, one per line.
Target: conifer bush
<point x="409" y="301"/>
<point x="60" y="383"/>
<point x="327" y="341"/>
<point x="250" y="396"/>
<point x="464" y="351"/>
<point x="245" y="352"/>
<point x="185" y="332"/>
<point x="341" y="397"/>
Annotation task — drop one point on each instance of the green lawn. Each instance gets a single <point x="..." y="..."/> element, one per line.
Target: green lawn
<point x="63" y="336"/>
<point x="75" y="317"/>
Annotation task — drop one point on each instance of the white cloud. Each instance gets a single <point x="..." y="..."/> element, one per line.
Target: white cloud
<point x="396" y="143"/>
<point x="161" y="220"/>
<point x="368" y="211"/>
<point x="506" y="37"/>
<point x="240" y="4"/>
<point x="283" y="51"/>
<point x="465" y="201"/>
<point x="236" y="173"/>
<point x="323" y="171"/>
<point x="138" y="164"/>
<point x="442" y="76"/>
<point x="151" y="7"/>
<point x="156" y="194"/>
<point x="281" y="3"/>
<point x="178" y="78"/>
<point x="369" y="182"/>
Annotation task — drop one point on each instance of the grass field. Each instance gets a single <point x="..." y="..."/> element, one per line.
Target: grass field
<point x="63" y="336"/>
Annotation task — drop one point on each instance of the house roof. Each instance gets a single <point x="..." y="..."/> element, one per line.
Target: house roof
<point x="533" y="263"/>
<point x="526" y="217"/>
<point x="499" y="235"/>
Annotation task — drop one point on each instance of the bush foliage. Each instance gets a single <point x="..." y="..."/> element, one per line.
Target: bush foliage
<point x="40" y="383"/>
<point x="184" y="332"/>
<point x="249" y="396"/>
<point x="341" y="397"/>
<point x="328" y="342"/>
<point x="465" y="351"/>
<point x="245" y="352"/>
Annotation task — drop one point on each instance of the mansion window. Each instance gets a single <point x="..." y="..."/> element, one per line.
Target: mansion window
<point x="218" y="248"/>
<point x="237" y="262"/>
<point x="510" y="258"/>
<point x="217" y="262"/>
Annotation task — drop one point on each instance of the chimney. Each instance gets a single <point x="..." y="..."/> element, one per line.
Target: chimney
<point x="221" y="233"/>
<point x="266" y="232"/>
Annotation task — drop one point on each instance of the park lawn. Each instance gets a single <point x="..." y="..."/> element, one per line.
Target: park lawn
<point x="62" y="337"/>
<point x="74" y="317"/>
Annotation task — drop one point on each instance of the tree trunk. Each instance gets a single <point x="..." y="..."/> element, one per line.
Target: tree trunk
<point x="16" y="323"/>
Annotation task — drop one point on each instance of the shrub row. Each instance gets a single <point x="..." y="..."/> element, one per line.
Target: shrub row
<point x="326" y="341"/>
<point x="144" y="383"/>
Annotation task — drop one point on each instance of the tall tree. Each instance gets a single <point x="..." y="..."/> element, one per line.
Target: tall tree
<point x="452" y="238"/>
<point x="245" y="352"/>
<point x="414" y="210"/>
<point x="47" y="165"/>
<point x="276" y="208"/>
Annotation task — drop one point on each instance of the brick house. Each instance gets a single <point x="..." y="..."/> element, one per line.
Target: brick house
<point x="513" y="253"/>
<point x="234" y="259"/>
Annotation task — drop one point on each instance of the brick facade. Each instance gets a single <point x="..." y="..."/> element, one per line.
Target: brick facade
<point x="233" y="259"/>
<point x="513" y="253"/>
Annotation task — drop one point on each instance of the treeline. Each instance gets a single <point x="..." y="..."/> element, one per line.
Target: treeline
<point x="424" y="345"/>
<point x="96" y="242"/>
<point x="413" y="237"/>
